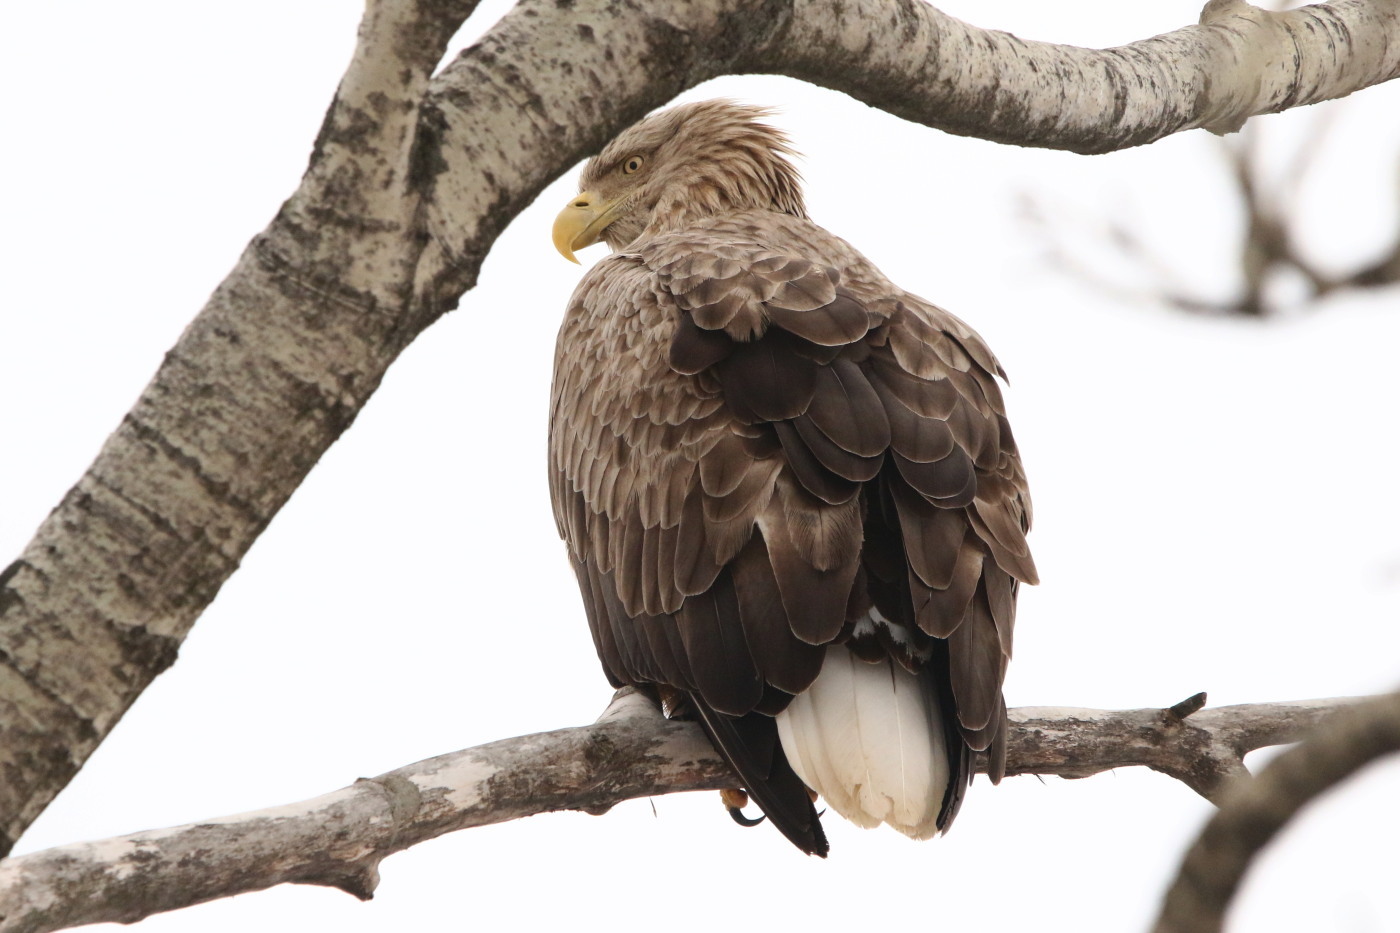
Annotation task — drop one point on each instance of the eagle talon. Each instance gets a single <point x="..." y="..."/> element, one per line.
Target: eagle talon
<point x="735" y="799"/>
<point x="737" y="816"/>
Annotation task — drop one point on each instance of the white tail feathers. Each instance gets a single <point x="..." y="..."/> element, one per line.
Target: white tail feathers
<point x="869" y="739"/>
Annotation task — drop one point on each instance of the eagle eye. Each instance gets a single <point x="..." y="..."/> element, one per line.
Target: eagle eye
<point x="632" y="165"/>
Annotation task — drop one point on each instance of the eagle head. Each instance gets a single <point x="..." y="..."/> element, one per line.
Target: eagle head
<point x="674" y="166"/>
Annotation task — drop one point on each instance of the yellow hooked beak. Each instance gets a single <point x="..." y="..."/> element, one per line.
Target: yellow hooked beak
<point x="582" y="223"/>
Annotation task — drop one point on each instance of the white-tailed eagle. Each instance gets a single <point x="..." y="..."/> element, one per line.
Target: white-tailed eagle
<point x="788" y="486"/>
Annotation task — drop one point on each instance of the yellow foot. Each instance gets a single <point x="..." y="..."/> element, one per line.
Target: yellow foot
<point x="734" y="800"/>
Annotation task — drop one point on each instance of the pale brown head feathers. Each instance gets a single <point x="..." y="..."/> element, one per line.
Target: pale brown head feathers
<point x="691" y="161"/>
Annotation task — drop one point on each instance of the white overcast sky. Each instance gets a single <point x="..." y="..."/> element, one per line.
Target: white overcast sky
<point x="1215" y="505"/>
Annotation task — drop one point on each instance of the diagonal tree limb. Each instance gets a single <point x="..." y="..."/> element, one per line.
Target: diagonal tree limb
<point x="339" y="839"/>
<point x="260" y="384"/>
<point x="411" y="180"/>
<point x="1251" y="813"/>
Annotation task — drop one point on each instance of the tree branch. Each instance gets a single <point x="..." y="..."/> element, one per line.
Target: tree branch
<point x="1251" y="813"/>
<point x="409" y="184"/>
<point x="1201" y="749"/>
<point x="923" y="65"/>
<point x="339" y="839"/>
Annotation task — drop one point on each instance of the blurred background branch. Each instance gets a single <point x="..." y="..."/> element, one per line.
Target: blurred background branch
<point x="1275" y="271"/>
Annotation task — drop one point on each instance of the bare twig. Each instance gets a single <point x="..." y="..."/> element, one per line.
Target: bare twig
<point x="339" y="839"/>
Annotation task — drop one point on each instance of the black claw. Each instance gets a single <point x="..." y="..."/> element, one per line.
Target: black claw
<point x="737" y="816"/>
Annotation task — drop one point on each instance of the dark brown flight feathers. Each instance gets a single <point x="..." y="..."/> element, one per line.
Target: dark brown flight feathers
<point x="756" y="438"/>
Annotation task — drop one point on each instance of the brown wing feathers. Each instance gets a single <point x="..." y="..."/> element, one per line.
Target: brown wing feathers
<point x="757" y="451"/>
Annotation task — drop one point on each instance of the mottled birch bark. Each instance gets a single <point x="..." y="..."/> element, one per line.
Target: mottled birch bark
<point x="410" y="182"/>
<point x="339" y="839"/>
<point x="268" y="375"/>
